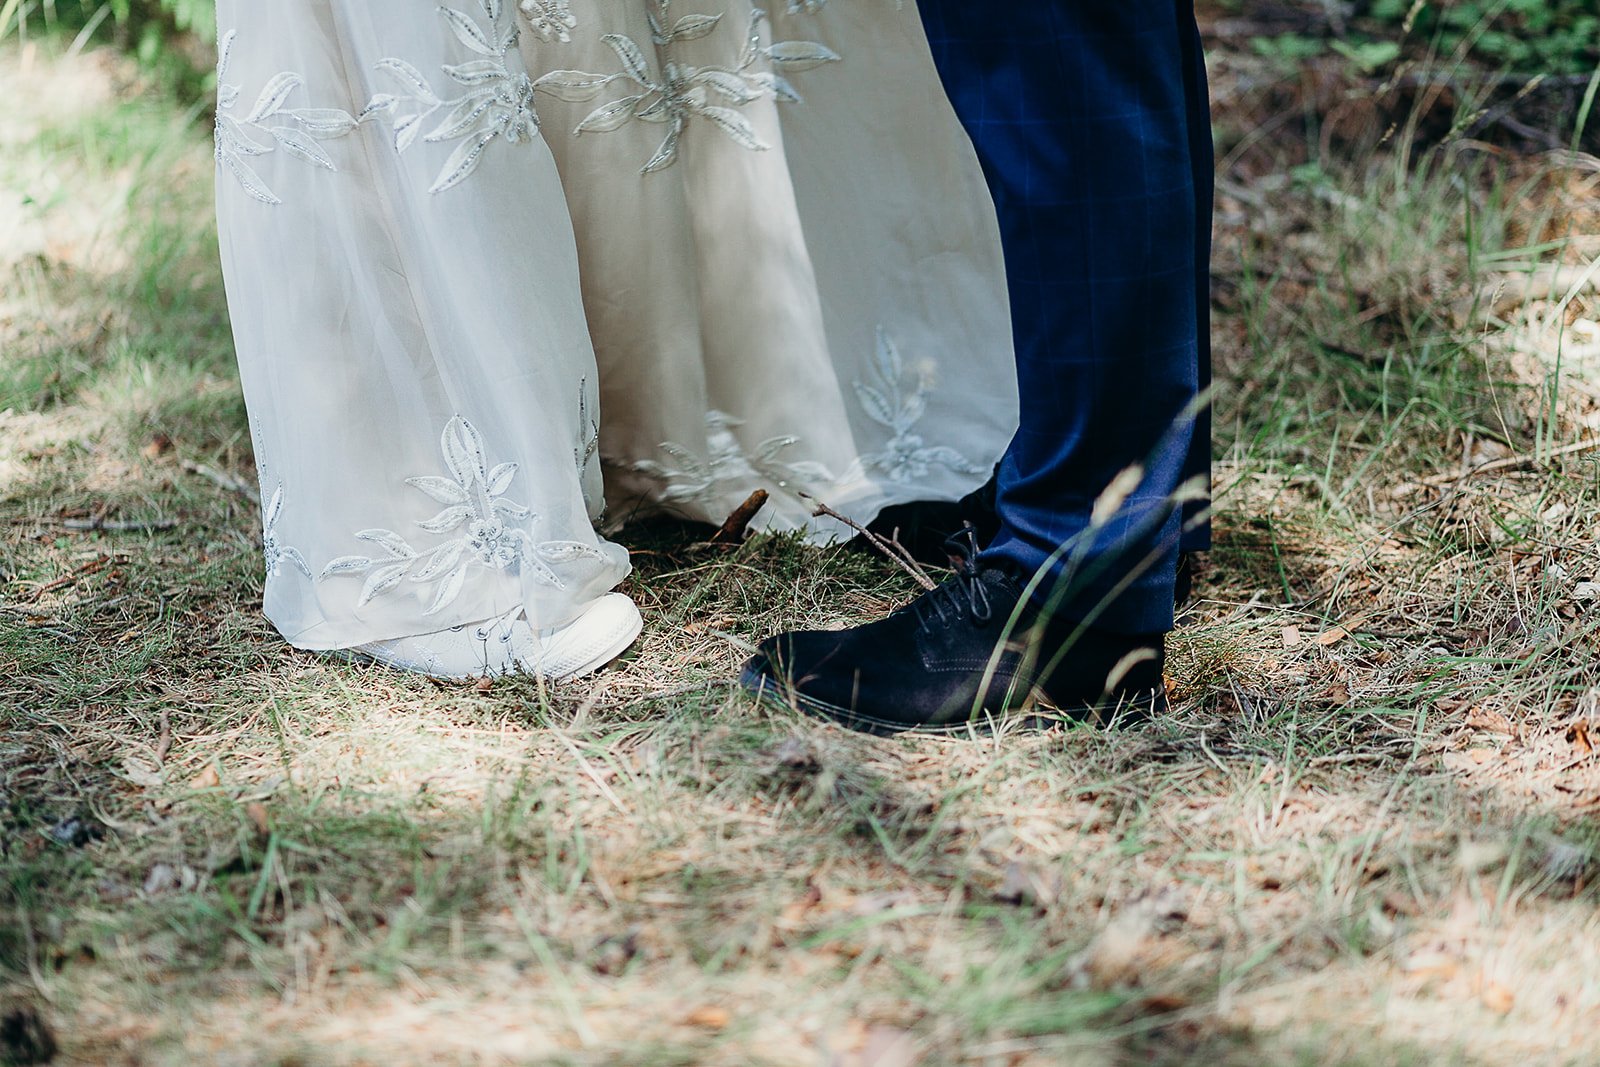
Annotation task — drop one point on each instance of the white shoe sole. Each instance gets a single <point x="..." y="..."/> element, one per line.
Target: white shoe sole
<point x="606" y="630"/>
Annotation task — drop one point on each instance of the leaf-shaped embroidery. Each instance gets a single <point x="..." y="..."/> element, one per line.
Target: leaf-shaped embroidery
<point x="659" y="110"/>
<point x="441" y="560"/>
<point x="382" y="102"/>
<point x="468" y="32"/>
<point x="769" y="449"/>
<point x="273" y="96"/>
<point x="573" y="86"/>
<point x="693" y="27"/>
<point x="249" y="179"/>
<point x="631" y="55"/>
<point x="345" y="565"/>
<point x="274" y="509"/>
<point x="608" y="116"/>
<point x="477" y="517"/>
<point x="235" y="143"/>
<point x="777" y="85"/>
<point x="294" y="556"/>
<point x="390" y="542"/>
<point x="945" y="456"/>
<point x="729" y="85"/>
<point x="797" y="56"/>
<point x="735" y="126"/>
<point x="559" y="552"/>
<point x="500" y="478"/>
<point x="885" y="401"/>
<point x="477" y="72"/>
<point x="449" y="589"/>
<point x="466" y="117"/>
<point x="889" y="363"/>
<point x="666" y="155"/>
<point x="462" y="162"/>
<point x="225" y="52"/>
<point x="411" y="78"/>
<point x="876" y="405"/>
<point x="379" y="582"/>
<point x="508" y="509"/>
<point x="463" y="451"/>
<point x="448" y="519"/>
<point x="405" y="132"/>
<point x="323" y="122"/>
<point x="302" y="147"/>
<point x="441" y="489"/>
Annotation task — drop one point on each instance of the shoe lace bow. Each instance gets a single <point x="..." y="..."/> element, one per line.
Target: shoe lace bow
<point x="964" y="593"/>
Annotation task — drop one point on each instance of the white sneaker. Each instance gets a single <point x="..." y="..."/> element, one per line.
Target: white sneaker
<point x="510" y="645"/>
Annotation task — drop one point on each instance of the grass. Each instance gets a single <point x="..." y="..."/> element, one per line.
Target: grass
<point x="1365" y="835"/>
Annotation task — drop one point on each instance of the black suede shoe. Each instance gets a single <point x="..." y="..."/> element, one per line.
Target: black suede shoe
<point x="970" y="652"/>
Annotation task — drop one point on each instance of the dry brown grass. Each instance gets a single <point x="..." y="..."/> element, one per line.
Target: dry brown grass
<point x="1365" y="835"/>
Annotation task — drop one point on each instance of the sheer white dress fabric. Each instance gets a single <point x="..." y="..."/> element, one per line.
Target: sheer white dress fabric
<point x="767" y="225"/>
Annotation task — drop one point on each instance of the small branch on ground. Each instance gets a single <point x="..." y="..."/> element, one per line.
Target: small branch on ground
<point x="737" y="527"/>
<point x="892" y="549"/>
<point x="92" y="567"/>
<point x="221" y="479"/>
<point x="118" y="525"/>
<point x="1510" y="463"/>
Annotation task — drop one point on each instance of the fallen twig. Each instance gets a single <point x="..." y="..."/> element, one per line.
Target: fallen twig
<point x="1510" y="463"/>
<point x="737" y="526"/>
<point x="219" y="478"/>
<point x="118" y="525"/>
<point x="92" y="567"/>
<point x="892" y="549"/>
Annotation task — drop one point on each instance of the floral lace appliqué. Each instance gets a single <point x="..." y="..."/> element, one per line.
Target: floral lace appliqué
<point x="550" y="19"/>
<point x="727" y="467"/>
<point x="907" y="457"/>
<point x="270" y="126"/>
<point x="274" y="552"/>
<point x="680" y="92"/>
<point x="497" y="103"/>
<point x="491" y="531"/>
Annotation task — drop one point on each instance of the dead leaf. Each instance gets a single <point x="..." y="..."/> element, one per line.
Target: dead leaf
<point x="208" y="778"/>
<point x="1291" y="637"/>
<point x="861" y="1045"/>
<point x="1439" y="965"/>
<point x="887" y="1047"/>
<point x="709" y="1017"/>
<point x="795" y="914"/>
<point x="1481" y="718"/>
<point x="1117" y="955"/>
<point x="141" y="772"/>
<point x="483" y="685"/>
<point x="1497" y="998"/>
<point x="1578" y="737"/>
<point x="1329" y="638"/>
<point x="257" y="813"/>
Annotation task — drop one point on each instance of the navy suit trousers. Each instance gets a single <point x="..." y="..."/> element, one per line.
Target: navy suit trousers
<point x="1092" y="120"/>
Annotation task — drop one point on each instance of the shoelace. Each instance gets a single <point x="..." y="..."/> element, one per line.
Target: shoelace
<point x="964" y="593"/>
<point x="499" y="626"/>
